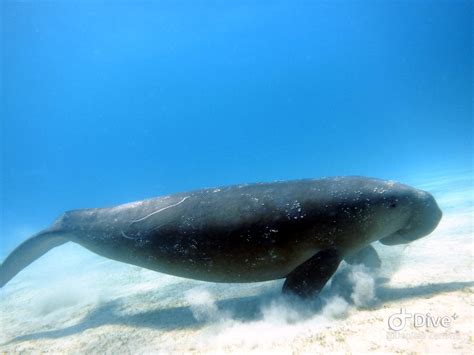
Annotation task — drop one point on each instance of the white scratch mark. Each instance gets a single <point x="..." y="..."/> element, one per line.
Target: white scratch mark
<point x="125" y="236"/>
<point x="160" y="210"/>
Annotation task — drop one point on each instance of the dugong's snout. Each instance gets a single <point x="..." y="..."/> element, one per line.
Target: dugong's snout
<point x="424" y="218"/>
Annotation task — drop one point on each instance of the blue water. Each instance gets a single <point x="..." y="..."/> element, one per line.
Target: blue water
<point x="104" y="103"/>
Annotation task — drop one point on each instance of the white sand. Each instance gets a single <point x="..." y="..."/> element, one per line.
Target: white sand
<point x="73" y="301"/>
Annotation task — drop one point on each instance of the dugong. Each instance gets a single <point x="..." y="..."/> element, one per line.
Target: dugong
<point x="297" y="230"/>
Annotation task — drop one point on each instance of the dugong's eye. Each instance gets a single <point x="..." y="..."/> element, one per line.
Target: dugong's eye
<point x="393" y="205"/>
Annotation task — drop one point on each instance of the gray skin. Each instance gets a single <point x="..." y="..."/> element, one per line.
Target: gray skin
<point x="299" y="230"/>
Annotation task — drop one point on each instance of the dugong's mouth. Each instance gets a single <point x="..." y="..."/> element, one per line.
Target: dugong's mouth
<point x="395" y="239"/>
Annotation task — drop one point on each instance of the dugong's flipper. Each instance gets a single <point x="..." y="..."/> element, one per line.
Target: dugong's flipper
<point x="27" y="252"/>
<point x="310" y="277"/>
<point x="366" y="256"/>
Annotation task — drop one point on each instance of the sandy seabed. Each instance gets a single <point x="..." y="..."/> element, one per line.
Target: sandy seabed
<point x="71" y="301"/>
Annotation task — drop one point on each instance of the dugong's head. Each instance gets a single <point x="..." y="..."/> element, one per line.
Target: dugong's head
<point x="420" y="210"/>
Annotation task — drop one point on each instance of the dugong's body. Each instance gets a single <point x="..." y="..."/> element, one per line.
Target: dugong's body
<point x="298" y="230"/>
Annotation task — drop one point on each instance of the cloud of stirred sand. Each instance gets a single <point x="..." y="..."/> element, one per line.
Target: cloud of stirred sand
<point x="281" y="316"/>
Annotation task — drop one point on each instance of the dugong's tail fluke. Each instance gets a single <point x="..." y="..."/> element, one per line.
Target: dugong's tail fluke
<point x="27" y="252"/>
